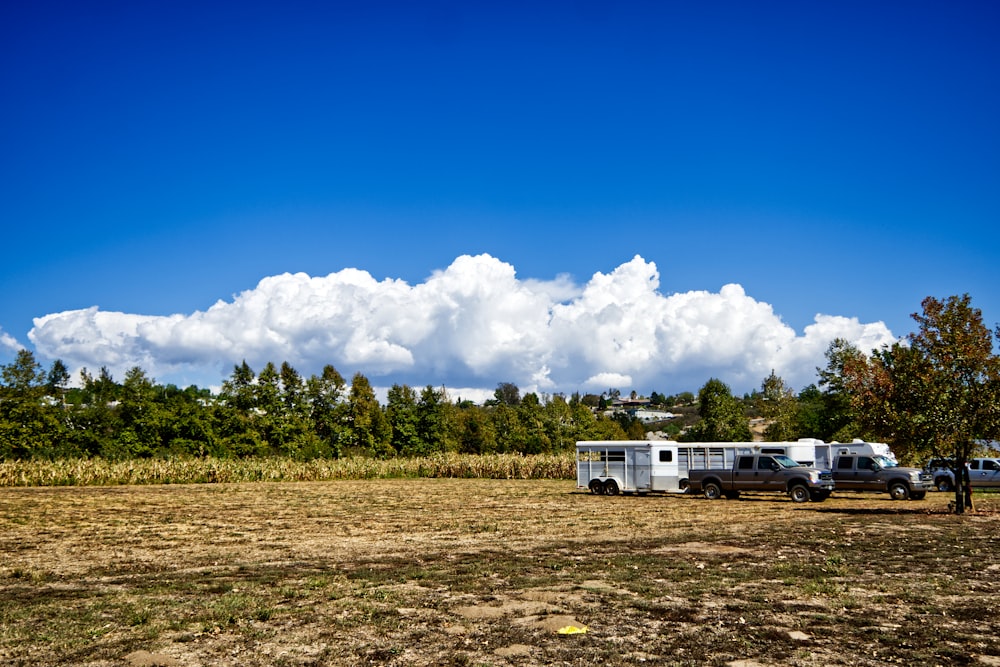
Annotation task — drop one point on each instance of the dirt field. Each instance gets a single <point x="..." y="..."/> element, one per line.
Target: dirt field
<point x="474" y="572"/>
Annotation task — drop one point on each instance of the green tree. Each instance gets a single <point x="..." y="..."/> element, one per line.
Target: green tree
<point x="838" y="420"/>
<point x="187" y="422"/>
<point x="777" y="405"/>
<point x="140" y="418"/>
<point x="507" y="393"/>
<point x="93" y="425"/>
<point x="237" y="414"/>
<point x="722" y="416"/>
<point x="56" y="380"/>
<point x="810" y="414"/>
<point x="557" y="416"/>
<point x="29" y="425"/>
<point x="531" y="417"/>
<point x="475" y="431"/>
<point x="508" y="429"/>
<point x="938" y="394"/>
<point x="401" y="411"/>
<point x="432" y="420"/>
<point x="369" y="430"/>
<point x="328" y="411"/>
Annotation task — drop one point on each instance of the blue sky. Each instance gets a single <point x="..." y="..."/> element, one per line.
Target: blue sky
<point x="159" y="159"/>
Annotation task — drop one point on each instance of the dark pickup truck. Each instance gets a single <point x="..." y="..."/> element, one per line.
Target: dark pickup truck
<point x="880" y="474"/>
<point x="763" y="472"/>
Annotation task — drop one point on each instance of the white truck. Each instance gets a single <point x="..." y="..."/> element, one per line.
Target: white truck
<point x="610" y="467"/>
<point x="983" y="472"/>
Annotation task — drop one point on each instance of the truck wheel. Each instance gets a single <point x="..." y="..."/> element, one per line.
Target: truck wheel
<point x="944" y="484"/>
<point x="899" y="491"/>
<point x="798" y="493"/>
<point x="712" y="491"/>
<point x="611" y="488"/>
<point x="596" y="487"/>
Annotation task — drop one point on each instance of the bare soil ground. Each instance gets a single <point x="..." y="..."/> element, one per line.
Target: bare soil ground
<point x="483" y="572"/>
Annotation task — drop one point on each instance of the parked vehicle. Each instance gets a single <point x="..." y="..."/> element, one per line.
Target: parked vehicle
<point x="763" y="472"/>
<point x="941" y="471"/>
<point x="853" y="472"/>
<point x="983" y="473"/>
<point x="628" y="466"/>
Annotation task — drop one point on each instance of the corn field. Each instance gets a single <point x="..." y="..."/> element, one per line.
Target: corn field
<point x="101" y="472"/>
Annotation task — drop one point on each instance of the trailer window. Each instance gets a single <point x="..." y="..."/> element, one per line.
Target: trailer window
<point x="613" y="455"/>
<point x="666" y="456"/>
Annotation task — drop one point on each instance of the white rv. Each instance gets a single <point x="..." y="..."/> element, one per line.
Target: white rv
<point x="610" y="467"/>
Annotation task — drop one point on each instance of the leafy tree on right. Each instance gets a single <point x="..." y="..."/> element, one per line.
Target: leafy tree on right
<point x="938" y="393"/>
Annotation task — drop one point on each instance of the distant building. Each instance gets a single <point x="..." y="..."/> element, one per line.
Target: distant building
<point x="646" y="416"/>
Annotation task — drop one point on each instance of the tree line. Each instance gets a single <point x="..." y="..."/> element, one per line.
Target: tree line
<point x="277" y="412"/>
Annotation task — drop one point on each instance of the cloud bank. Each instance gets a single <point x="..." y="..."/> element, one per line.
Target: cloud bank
<point x="471" y="325"/>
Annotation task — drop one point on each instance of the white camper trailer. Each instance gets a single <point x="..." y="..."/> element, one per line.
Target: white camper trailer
<point x="814" y="453"/>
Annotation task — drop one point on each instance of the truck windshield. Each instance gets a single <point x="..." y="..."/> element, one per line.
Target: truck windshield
<point x="885" y="462"/>
<point x="786" y="462"/>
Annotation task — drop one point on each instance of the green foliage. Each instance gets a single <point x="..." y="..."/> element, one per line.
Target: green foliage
<point x="938" y="394"/>
<point x="369" y="431"/>
<point x="778" y="405"/>
<point x="722" y="416"/>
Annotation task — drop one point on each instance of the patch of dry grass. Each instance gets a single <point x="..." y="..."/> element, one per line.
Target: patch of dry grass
<point x="485" y="572"/>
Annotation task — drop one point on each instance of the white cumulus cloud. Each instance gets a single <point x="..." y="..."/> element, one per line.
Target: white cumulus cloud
<point x="472" y="324"/>
<point x="8" y="342"/>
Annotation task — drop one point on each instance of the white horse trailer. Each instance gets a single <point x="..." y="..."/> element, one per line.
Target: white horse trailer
<point x="611" y="467"/>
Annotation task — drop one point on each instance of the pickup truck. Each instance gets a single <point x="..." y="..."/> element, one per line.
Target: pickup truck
<point x="878" y="473"/>
<point x="983" y="472"/>
<point x="763" y="472"/>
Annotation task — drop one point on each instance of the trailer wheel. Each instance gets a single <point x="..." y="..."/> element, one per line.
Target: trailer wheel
<point x="596" y="487"/>
<point x="899" y="491"/>
<point x="798" y="493"/>
<point x="611" y="488"/>
<point x="712" y="491"/>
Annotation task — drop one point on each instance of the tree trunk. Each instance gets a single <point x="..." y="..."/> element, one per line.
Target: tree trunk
<point x="967" y="489"/>
<point x="963" y="488"/>
<point x="961" y="484"/>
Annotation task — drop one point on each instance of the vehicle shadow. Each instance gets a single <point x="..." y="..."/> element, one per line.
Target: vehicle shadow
<point x="882" y="511"/>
